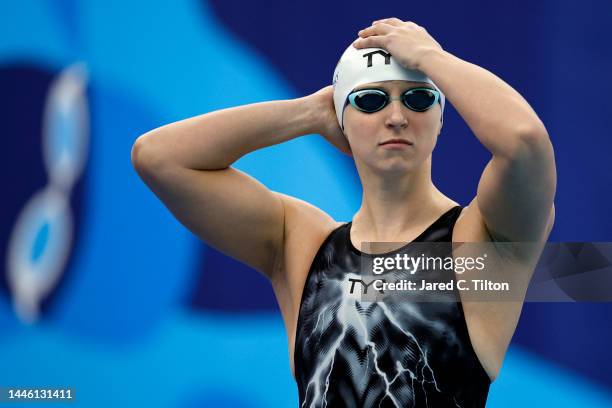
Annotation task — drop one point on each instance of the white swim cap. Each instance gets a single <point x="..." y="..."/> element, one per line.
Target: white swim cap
<point x="361" y="66"/>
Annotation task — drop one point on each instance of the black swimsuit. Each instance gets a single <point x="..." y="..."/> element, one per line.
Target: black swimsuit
<point x="407" y="354"/>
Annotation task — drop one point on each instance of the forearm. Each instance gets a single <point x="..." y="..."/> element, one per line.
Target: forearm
<point x="217" y="139"/>
<point x="497" y="114"/>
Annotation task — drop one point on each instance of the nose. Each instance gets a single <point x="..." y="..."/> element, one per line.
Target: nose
<point x="395" y="115"/>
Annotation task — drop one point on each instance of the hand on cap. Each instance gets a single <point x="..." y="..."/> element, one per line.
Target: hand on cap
<point x="405" y="40"/>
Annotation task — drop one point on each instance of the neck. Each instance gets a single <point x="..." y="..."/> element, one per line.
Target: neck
<point x="396" y="207"/>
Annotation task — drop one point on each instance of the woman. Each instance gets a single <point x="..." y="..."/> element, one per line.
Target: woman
<point x="348" y="353"/>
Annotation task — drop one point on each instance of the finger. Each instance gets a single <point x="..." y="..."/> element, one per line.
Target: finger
<point x="391" y="20"/>
<point x="397" y="22"/>
<point x="374" y="41"/>
<point x="378" y="29"/>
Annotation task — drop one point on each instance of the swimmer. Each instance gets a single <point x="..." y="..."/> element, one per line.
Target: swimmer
<point x="385" y="110"/>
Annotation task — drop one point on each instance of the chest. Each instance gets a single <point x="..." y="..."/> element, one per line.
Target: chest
<point x="355" y="341"/>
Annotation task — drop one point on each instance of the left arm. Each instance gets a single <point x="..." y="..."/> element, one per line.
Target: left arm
<point x="516" y="191"/>
<point x="517" y="187"/>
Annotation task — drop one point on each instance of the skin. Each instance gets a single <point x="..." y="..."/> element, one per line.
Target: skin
<point x="187" y="164"/>
<point x="401" y="175"/>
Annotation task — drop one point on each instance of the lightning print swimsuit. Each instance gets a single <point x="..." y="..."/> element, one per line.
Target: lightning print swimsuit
<point x="350" y="353"/>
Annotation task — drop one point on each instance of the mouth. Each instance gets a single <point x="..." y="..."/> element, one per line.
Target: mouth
<point x="396" y="141"/>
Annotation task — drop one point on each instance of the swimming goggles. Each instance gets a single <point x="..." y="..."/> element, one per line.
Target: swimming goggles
<point x="373" y="100"/>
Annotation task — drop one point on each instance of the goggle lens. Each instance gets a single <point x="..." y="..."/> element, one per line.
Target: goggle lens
<point x="419" y="100"/>
<point x="370" y="101"/>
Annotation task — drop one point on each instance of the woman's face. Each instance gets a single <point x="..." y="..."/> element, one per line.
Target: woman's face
<point x="368" y="132"/>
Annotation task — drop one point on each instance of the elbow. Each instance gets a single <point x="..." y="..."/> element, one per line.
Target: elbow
<point x="147" y="156"/>
<point x="536" y="147"/>
<point x="533" y="141"/>
<point x="534" y="136"/>
<point x="136" y="153"/>
<point x="139" y="154"/>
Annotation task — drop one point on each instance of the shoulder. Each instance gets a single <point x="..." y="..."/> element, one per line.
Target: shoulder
<point x="305" y="228"/>
<point x="300" y="213"/>
<point x="469" y="225"/>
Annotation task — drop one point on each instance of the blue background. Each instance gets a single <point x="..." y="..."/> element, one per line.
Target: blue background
<point x="144" y="314"/>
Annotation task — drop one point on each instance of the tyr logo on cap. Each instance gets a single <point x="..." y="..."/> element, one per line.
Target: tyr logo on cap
<point x="381" y="52"/>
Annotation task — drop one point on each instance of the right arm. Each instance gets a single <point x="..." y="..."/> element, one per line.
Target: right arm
<point x="187" y="165"/>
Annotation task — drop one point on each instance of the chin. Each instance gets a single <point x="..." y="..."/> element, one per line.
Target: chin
<point x="397" y="167"/>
